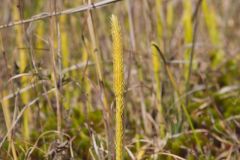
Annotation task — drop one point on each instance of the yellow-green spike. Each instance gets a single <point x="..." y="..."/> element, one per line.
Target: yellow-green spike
<point x="39" y="40"/>
<point x="7" y="118"/>
<point x="65" y="56"/>
<point x="157" y="87"/>
<point x="188" y="32"/>
<point x="85" y="58"/>
<point x="170" y="16"/>
<point x="23" y="59"/>
<point x="118" y="84"/>
<point x="159" y="21"/>
<point x="211" y="23"/>
<point x="64" y="41"/>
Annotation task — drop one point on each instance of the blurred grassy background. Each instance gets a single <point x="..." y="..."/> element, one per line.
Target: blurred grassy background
<point x="60" y="70"/>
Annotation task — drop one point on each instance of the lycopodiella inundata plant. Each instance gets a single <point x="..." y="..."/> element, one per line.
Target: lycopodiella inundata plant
<point x="6" y="112"/>
<point x="159" y="20"/>
<point x="7" y="118"/>
<point x="40" y="34"/>
<point x="211" y="23"/>
<point x="158" y="88"/>
<point x="23" y="60"/>
<point x="65" y="55"/>
<point x="118" y="85"/>
<point x="188" y="32"/>
<point x="175" y="87"/>
<point x="64" y="42"/>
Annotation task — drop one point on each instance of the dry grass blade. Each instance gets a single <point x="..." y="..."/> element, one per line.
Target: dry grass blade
<point x="171" y="155"/>
<point x="22" y="90"/>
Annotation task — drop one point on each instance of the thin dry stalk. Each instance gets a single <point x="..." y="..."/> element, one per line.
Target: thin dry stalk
<point x="97" y="61"/>
<point x="53" y="49"/>
<point x="5" y="107"/>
